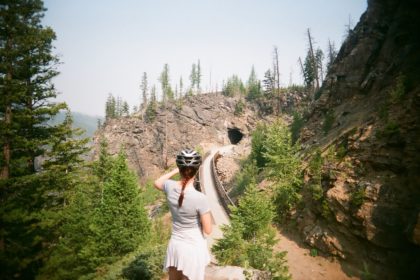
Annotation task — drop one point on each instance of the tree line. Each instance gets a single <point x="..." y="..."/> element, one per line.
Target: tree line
<point x="313" y="68"/>
<point x="60" y="216"/>
<point x="115" y="107"/>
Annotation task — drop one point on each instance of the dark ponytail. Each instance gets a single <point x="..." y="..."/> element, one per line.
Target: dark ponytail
<point x="186" y="173"/>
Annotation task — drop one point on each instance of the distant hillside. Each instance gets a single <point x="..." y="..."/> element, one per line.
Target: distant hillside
<point x="86" y="122"/>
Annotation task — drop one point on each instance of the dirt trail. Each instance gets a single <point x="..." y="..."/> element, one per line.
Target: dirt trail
<point x="303" y="266"/>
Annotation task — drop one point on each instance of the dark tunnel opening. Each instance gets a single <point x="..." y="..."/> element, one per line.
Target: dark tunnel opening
<point x="235" y="135"/>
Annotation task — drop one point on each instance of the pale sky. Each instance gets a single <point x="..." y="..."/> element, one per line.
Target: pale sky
<point x="105" y="45"/>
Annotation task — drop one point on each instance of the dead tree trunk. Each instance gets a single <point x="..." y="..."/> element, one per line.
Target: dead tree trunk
<point x="314" y="64"/>
<point x="277" y="78"/>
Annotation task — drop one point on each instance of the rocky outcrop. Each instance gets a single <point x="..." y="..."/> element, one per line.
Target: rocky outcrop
<point x="366" y="123"/>
<point x="197" y="122"/>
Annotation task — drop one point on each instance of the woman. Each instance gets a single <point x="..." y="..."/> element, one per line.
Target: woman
<point x="187" y="254"/>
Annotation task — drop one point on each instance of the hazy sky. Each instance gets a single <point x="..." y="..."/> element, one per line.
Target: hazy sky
<point x="105" y="45"/>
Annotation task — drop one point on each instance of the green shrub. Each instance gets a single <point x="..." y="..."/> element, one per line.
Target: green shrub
<point x="239" y="108"/>
<point x="151" y="112"/>
<point x="286" y="198"/>
<point x="296" y="126"/>
<point x="150" y="194"/>
<point x="313" y="252"/>
<point x="326" y="212"/>
<point x="104" y="221"/>
<point x="283" y="167"/>
<point x="315" y="169"/>
<point x="254" y="91"/>
<point x="249" y="240"/>
<point x="146" y="262"/>
<point x="199" y="150"/>
<point x="233" y="86"/>
<point x="179" y="103"/>
<point x="317" y="191"/>
<point x="258" y="146"/>
<point x="120" y="213"/>
<point x="357" y="197"/>
<point x="147" y="265"/>
<point x="246" y="176"/>
<point x="341" y="151"/>
<point x="397" y="93"/>
<point x="390" y="129"/>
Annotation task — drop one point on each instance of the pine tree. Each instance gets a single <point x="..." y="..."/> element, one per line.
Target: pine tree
<point x="66" y="150"/>
<point x="348" y="28"/>
<point x="72" y="256"/>
<point x="110" y="107"/>
<point x="125" y="111"/>
<point x="153" y="94"/>
<point x="104" y="220"/>
<point x="309" y="72"/>
<point x="253" y="85"/>
<point x="151" y="109"/>
<point x="181" y="87"/>
<point x="144" y="90"/>
<point x="104" y="164"/>
<point x="27" y="67"/>
<point x="32" y="212"/>
<point x="193" y="76"/>
<point x="332" y="53"/>
<point x="166" y="87"/>
<point x="282" y="166"/>
<point x="234" y="86"/>
<point x="250" y="238"/>
<point x="150" y="114"/>
<point x="118" y="107"/>
<point x="313" y="70"/>
<point x="258" y="146"/>
<point x="198" y="77"/>
<point x="31" y="201"/>
<point x="269" y="83"/>
<point x="120" y="222"/>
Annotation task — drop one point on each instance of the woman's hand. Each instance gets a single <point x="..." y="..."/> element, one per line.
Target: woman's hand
<point x="161" y="180"/>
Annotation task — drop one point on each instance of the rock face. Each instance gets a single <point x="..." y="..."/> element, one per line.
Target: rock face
<point x="366" y="124"/>
<point x="201" y="121"/>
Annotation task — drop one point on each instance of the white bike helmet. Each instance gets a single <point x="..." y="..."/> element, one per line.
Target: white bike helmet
<point x="188" y="158"/>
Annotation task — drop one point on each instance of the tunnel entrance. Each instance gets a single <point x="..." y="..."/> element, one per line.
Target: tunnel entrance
<point x="235" y="135"/>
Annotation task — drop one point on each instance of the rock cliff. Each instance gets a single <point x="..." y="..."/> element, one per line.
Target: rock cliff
<point x="198" y="122"/>
<point x="365" y="124"/>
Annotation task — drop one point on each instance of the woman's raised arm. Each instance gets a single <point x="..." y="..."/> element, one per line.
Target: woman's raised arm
<point x="161" y="180"/>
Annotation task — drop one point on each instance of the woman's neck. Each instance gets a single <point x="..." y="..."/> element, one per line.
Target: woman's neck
<point x="188" y="183"/>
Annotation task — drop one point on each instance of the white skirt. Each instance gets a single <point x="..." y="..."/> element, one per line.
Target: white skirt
<point x="187" y="251"/>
